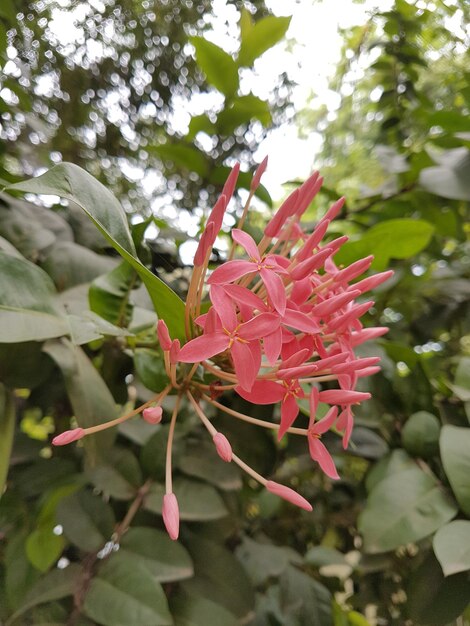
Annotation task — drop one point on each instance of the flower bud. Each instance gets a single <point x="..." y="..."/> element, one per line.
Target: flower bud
<point x="224" y="449"/>
<point x="259" y="172"/>
<point x="163" y="335"/>
<point x="152" y="415"/>
<point x="68" y="436"/>
<point x="174" y="350"/>
<point x="288" y="494"/>
<point x="171" y="515"/>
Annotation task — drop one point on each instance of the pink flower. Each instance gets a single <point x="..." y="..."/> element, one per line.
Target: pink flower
<point x="171" y="515"/>
<point x="152" y="415"/>
<point x="68" y="436"/>
<point x="288" y="494"/>
<point x="318" y="451"/>
<point x="224" y="449"/>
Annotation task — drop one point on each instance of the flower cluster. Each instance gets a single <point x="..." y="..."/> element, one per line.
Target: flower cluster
<point x="272" y="323"/>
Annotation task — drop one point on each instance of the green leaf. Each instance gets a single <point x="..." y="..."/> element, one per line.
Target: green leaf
<point x="200" y="459"/>
<point x="451" y="546"/>
<point x="88" y="522"/>
<point x="404" y="508"/>
<point x="261" y="36"/>
<point x="69" y="264"/>
<point x="197" y="501"/>
<point x="27" y="308"/>
<point x="420" y="434"/>
<point x="89" y="396"/>
<point x="190" y="610"/>
<point x="241" y="111"/>
<point x="71" y="182"/>
<point x="219" y="577"/>
<point x="119" y="477"/>
<point x="166" y="560"/>
<point x="120" y="596"/>
<point x="304" y="599"/>
<point x="150" y="368"/>
<point x="391" y="239"/>
<point x="461" y="386"/>
<point x="218" y="66"/>
<point x="55" y="585"/>
<point x="109" y="294"/>
<point x="263" y="560"/>
<point x="433" y="599"/>
<point x="397" y="461"/>
<point x="43" y="547"/>
<point x="455" y="454"/>
<point x="7" y="431"/>
<point x="184" y="156"/>
<point x="200" y="123"/>
<point x="19" y="573"/>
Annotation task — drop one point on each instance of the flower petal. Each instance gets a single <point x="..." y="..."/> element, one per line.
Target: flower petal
<point x="340" y="396"/>
<point x="259" y="326"/>
<point x="247" y="242"/>
<point x="319" y="453"/>
<point x="272" y="346"/>
<point x="300" y="321"/>
<point x="289" y="412"/>
<point x="230" y="271"/>
<point x="326" y="422"/>
<point x="242" y="294"/>
<point x="275" y="288"/>
<point x="203" y="347"/>
<point x="244" y="364"/>
<point x="262" y="392"/>
<point x="224" y="307"/>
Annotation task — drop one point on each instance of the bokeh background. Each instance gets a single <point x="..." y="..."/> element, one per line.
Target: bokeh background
<point x="157" y="99"/>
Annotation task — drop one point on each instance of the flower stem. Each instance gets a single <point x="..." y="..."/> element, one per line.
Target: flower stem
<point x="169" y="447"/>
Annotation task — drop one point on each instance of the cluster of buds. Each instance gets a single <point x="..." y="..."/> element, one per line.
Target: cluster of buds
<point x="280" y="318"/>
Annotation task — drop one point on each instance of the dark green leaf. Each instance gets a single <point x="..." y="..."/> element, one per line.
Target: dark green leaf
<point x="455" y="454"/>
<point x="241" y="111"/>
<point x="119" y="477"/>
<point x="150" y="368"/>
<point x="451" y="546"/>
<point x="189" y="610"/>
<point x="263" y="560"/>
<point x="304" y="600"/>
<point x="88" y="522"/>
<point x="219" y="577"/>
<point x="218" y="66"/>
<point x="89" y="396"/>
<point x="262" y="35"/>
<point x="71" y="182"/>
<point x="109" y="294"/>
<point x="197" y="501"/>
<point x="121" y="595"/>
<point x="404" y="508"/>
<point x="53" y="586"/>
<point x="200" y="459"/>
<point x="166" y="560"/>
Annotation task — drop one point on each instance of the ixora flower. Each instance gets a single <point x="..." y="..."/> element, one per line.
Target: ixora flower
<point x="273" y="323"/>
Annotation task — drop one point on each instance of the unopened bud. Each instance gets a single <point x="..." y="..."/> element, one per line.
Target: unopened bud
<point x="152" y="415"/>
<point x="68" y="436"/>
<point x="171" y="515"/>
<point x="224" y="449"/>
<point x="288" y="494"/>
<point x="163" y="335"/>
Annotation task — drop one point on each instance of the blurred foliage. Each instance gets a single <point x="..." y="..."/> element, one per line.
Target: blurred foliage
<point x="388" y="543"/>
<point x="125" y="89"/>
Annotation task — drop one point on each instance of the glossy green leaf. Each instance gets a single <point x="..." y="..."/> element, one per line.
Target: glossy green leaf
<point x="219" y="577"/>
<point x="55" y="585"/>
<point x="43" y="547"/>
<point x="28" y="311"/>
<point x="455" y="455"/>
<point x="7" y="430"/>
<point x="420" y="434"/>
<point x="262" y="35"/>
<point x="197" y="501"/>
<point x="121" y="595"/>
<point x="89" y="396"/>
<point x="166" y="560"/>
<point x="451" y="546"/>
<point x="184" y="156"/>
<point x="109" y="294"/>
<point x="87" y="520"/>
<point x="71" y="182"/>
<point x="404" y="508"/>
<point x="150" y="368"/>
<point x="218" y="66"/>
